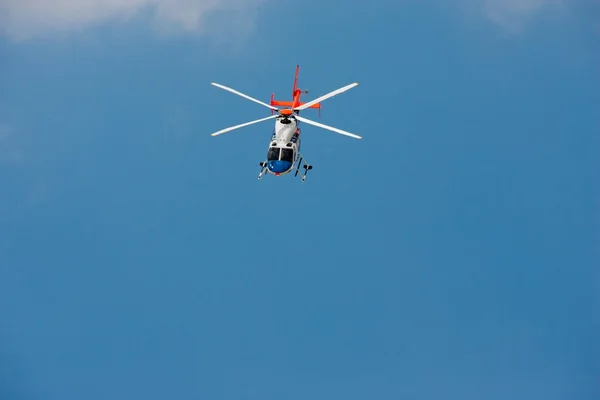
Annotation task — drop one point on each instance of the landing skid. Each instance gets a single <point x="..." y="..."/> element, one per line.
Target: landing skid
<point x="306" y="167"/>
<point x="263" y="169"/>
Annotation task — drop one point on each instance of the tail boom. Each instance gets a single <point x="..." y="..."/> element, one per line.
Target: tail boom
<point x="296" y="93"/>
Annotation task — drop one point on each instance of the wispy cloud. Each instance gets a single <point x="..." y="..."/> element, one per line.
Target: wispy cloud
<point x="513" y="14"/>
<point x="24" y="19"/>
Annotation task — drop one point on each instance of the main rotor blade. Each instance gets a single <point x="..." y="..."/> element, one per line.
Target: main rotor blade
<point x="308" y="121"/>
<point x="244" y="96"/>
<point x="326" y="96"/>
<point x="243" y="125"/>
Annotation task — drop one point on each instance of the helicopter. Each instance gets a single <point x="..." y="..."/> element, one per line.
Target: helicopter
<point x="284" y="146"/>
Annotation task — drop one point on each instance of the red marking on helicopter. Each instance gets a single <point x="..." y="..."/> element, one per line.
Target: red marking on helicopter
<point x="296" y="93"/>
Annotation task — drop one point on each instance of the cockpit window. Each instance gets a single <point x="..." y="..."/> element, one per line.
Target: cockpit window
<point x="287" y="155"/>
<point x="273" y="154"/>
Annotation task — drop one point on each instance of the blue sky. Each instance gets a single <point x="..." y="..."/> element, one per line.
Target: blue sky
<point x="451" y="254"/>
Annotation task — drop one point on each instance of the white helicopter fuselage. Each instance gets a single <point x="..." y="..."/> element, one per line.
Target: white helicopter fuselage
<point x="284" y="146"/>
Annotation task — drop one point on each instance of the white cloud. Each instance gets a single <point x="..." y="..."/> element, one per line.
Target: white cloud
<point x="513" y="14"/>
<point x="24" y="19"/>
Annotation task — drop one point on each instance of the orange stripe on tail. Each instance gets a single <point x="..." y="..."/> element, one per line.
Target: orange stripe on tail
<point x="277" y="103"/>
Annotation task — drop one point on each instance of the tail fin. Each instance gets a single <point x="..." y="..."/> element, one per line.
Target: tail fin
<point x="296" y="93"/>
<point x="295" y="82"/>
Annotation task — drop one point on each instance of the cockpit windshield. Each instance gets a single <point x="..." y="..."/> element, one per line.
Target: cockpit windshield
<point x="287" y="155"/>
<point x="273" y="154"/>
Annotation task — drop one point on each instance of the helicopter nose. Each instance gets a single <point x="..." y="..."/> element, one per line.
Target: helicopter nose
<point x="279" y="166"/>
